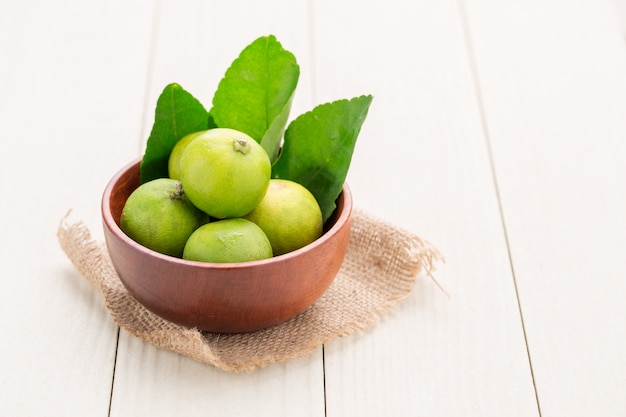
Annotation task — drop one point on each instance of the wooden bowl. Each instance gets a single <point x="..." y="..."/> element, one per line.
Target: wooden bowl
<point x="226" y="298"/>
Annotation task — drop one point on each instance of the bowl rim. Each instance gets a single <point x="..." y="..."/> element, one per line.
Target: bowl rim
<point x="342" y="218"/>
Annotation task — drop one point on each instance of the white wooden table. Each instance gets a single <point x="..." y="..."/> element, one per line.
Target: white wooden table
<point x="497" y="132"/>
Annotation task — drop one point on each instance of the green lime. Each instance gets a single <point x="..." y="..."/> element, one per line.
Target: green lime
<point x="230" y="240"/>
<point x="158" y="216"/>
<point x="225" y="172"/>
<point x="289" y="215"/>
<point x="173" y="164"/>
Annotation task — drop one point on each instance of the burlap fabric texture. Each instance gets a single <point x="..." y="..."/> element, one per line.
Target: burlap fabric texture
<point x="380" y="268"/>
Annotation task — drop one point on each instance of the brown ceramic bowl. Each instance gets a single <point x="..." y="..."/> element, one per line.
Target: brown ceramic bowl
<point x="226" y="298"/>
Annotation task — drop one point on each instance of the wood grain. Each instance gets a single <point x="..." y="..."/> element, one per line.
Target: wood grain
<point x="70" y="100"/>
<point x="195" y="42"/>
<point x="496" y="132"/>
<point x="422" y="161"/>
<point x="555" y="100"/>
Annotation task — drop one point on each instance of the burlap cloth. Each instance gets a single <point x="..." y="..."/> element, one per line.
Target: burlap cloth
<point x="380" y="268"/>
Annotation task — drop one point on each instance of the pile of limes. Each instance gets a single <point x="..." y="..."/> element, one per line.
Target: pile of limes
<point x="220" y="204"/>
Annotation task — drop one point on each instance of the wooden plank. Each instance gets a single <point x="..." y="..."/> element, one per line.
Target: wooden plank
<point x="70" y="96"/>
<point x="554" y="88"/>
<point x="153" y="382"/>
<point x="195" y="43"/>
<point x="620" y="9"/>
<point x="422" y="163"/>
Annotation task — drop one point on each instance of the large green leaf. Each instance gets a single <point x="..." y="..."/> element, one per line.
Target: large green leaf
<point x="318" y="148"/>
<point x="256" y="92"/>
<point x="177" y="114"/>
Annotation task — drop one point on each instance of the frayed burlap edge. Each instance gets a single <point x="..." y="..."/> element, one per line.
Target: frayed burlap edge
<point x="380" y="268"/>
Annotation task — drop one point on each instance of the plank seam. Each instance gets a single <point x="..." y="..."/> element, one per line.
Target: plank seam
<point x="324" y="377"/>
<point x="149" y="71"/>
<point x="117" y="344"/>
<point x="471" y="56"/>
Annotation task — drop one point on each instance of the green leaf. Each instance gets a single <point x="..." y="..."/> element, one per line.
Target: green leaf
<point x="256" y="92"/>
<point x="177" y="114"/>
<point x="318" y="148"/>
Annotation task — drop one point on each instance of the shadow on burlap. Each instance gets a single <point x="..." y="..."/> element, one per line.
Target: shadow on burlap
<point x="380" y="267"/>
